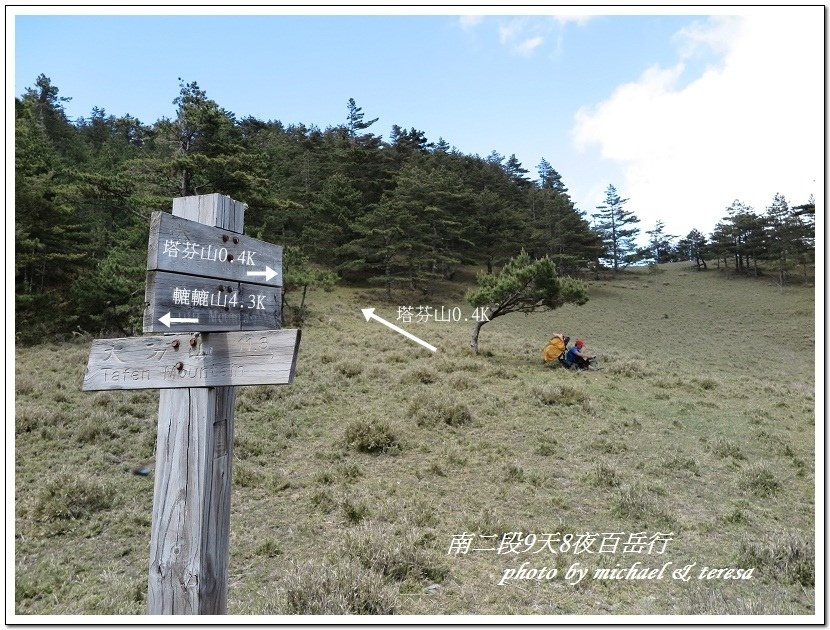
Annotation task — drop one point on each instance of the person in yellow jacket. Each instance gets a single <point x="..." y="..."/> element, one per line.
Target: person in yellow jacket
<point x="556" y="348"/>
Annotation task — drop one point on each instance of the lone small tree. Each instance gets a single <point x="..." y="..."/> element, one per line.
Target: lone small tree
<point x="300" y="274"/>
<point x="523" y="285"/>
<point x="611" y="224"/>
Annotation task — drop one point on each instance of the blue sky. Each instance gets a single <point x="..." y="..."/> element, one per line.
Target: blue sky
<point x="679" y="112"/>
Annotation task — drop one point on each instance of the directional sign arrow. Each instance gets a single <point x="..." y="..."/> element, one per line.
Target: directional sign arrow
<point x="167" y="320"/>
<point x="369" y="313"/>
<point x="268" y="273"/>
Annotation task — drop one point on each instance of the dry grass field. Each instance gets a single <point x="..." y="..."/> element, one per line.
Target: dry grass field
<point x="354" y="487"/>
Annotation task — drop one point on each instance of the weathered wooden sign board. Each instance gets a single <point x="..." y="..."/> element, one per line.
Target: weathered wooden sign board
<point x="219" y="293"/>
<point x="184" y="246"/>
<point x="175" y="301"/>
<point x="267" y="357"/>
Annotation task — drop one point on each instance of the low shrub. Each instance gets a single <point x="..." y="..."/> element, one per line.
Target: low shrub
<point x="514" y="473"/>
<point x="423" y="375"/>
<point x="349" y="369"/>
<point x="371" y="436"/>
<point x="724" y="448"/>
<point x="342" y="587"/>
<point x="603" y="476"/>
<point x="354" y="511"/>
<point x="631" y="368"/>
<point x="557" y="394"/>
<point x="788" y="555"/>
<point x="394" y="553"/>
<point x="441" y="410"/>
<point x="70" y="496"/>
<point x="759" y="480"/>
<point x="633" y="503"/>
<point x="707" y="600"/>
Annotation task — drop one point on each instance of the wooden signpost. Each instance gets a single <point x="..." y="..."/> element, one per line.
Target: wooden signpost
<point x="179" y="302"/>
<point x="264" y="357"/>
<point x="203" y="277"/>
<point x="183" y="246"/>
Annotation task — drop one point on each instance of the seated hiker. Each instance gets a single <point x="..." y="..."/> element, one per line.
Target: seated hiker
<point x="578" y="356"/>
<point x="556" y="348"/>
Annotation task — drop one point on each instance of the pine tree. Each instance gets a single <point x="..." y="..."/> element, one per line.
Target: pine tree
<point x="693" y="247"/>
<point x="334" y="211"/>
<point x="557" y="228"/>
<point x="614" y="225"/>
<point x="660" y="247"/>
<point x="788" y="236"/>
<point x="355" y="123"/>
<point x="413" y="235"/>
<point x="523" y="285"/>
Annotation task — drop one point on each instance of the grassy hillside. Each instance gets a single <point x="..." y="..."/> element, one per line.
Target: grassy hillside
<point x="352" y="484"/>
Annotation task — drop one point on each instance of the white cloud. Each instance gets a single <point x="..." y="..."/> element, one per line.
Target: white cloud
<point x="714" y="35"/>
<point x="746" y="128"/>
<point x="510" y="31"/>
<point x="579" y="20"/>
<point x="529" y="45"/>
<point x="467" y="22"/>
<point x="523" y="35"/>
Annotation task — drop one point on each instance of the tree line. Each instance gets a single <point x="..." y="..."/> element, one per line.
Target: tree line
<point x="782" y="239"/>
<point x="401" y="213"/>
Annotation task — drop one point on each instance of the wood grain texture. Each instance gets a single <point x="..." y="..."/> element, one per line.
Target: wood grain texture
<point x="217" y="359"/>
<point x="188" y="571"/>
<point x="191" y="503"/>
<point x="229" y="305"/>
<point x="182" y="246"/>
<point x="215" y="210"/>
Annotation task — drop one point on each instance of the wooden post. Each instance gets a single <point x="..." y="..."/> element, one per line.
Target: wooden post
<point x="194" y="453"/>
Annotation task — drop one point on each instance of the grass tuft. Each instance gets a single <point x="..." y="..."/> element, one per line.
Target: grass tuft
<point x="514" y="473"/>
<point x="546" y="446"/>
<point x="724" y="448"/>
<point x="429" y="412"/>
<point x="603" y="476"/>
<point x="371" y="436"/>
<point x="349" y="369"/>
<point x="421" y="374"/>
<point x="393" y="553"/>
<point x="759" y="480"/>
<point x="706" y="600"/>
<point x="790" y="555"/>
<point x="629" y="368"/>
<point x="633" y="503"/>
<point x="72" y="496"/>
<point x="342" y="587"/>
<point x="560" y="395"/>
<point x="269" y="548"/>
<point x="354" y="511"/>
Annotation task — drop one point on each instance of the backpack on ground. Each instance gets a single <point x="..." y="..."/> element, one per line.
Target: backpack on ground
<point x="556" y="349"/>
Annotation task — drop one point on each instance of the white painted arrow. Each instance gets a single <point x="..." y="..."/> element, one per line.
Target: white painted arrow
<point x="167" y="320"/>
<point x="268" y="273"/>
<point x="369" y="313"/>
